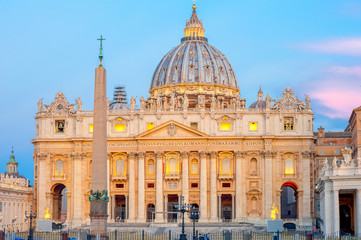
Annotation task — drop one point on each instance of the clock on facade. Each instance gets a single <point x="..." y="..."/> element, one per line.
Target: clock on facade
<point x="288" y="102"/>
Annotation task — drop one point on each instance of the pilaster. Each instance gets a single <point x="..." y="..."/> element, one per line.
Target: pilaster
<point x="306" y="183"/>
<point x="268" y="181"/>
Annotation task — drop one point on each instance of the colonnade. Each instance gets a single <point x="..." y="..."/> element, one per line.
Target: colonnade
<point x="13" y="215"/>
<point x="331" y="210"/>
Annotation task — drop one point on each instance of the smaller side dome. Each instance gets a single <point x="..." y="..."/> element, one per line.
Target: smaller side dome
<point x="260" y="103"/>
<point x="119" y="99"/>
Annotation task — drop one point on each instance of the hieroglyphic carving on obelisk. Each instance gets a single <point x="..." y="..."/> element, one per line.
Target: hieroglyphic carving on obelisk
<point x="99" y="195"/>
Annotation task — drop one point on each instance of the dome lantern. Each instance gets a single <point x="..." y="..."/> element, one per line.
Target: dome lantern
<point x="194" y="28"/>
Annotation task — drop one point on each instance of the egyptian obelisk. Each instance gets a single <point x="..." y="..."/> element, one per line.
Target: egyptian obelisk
<point x="99" y="195"/>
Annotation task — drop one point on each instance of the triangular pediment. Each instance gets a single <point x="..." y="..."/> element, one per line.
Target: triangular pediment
<point x="171" y="130"/>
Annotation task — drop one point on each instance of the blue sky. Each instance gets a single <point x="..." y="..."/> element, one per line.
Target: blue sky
<point x="49" y="46"/>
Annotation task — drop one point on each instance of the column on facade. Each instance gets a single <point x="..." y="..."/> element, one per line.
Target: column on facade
<point x="336" y="212"/>
<point x="77" y="188"/>
<point x="185" y="183"/>
<point x="159" y="188"/>
<point x="220" y="206"/>
<point x="238" y="202"/>
<point x="141" y="188"/>
<point x="358" y="212"/>
<point x="306" y="183"/>
<point x="112" y="207"/>
<point x="268" y="182"/>
<point x="43" y="176"/>
<point x="203" y="188"/>
<point x="327" y="211"/>
<point x="213" y="186"/>
<point x="131" y="186"/>
<point x="233" y="210"/>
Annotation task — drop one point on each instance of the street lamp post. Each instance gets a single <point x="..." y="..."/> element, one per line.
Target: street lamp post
<point x="194" y="215"/>
<point x="31" y="216"/>
<point x="182" y="208"/>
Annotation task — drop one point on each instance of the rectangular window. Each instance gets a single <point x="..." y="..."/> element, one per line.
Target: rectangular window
<point x="253" y="126"/>
<point x="59" y="126"/>
<point x="194" y="185"/>
<point x="225" y="126"/>
<point x="288" y="124"/>
<point x="226" y="185"/>
<point x="121" y="185"/>
<point x="150" y="126"/>
<point x="150" y="185"/>
<point x="194" y="125"/>
<point x="119" y="127"/>
<point x="91" y="128"/>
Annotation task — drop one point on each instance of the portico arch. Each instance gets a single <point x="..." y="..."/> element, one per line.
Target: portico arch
<point x="59" y="211"/>
<point x="289" y="205"/>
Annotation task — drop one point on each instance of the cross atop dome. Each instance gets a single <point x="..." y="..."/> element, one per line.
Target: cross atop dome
<point x="194" y="28"/>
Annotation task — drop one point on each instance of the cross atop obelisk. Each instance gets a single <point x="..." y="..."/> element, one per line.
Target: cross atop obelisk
<point x="99" y="186"/>
<point x="101" y="48"/>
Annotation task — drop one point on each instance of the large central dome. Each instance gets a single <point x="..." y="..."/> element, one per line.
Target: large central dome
<point x="194" y="67"/>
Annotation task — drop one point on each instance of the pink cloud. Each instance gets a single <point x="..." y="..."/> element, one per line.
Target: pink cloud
<point x="343" y="46"/>
<point x="339" y="93"/>
<point x="339" y="103"/>
<point x="350" y="71"/>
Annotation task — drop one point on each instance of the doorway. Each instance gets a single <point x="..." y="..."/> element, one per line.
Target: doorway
<point x="150" y="212"/>
<point x="120" y="208"/>
<point x="172" y="214"/>
<point x="226" y="207"/>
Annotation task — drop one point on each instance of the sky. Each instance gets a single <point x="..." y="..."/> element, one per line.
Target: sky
<point x="314" y="47"/>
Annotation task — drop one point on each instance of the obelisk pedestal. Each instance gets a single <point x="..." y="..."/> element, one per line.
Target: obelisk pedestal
<point x="99" y="195"/>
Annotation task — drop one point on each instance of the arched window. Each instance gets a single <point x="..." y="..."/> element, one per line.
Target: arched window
<point x="172" y="165"/>
<point x="59" y="168"/>
<point x="253" y="166"/>
<point x="226" y="166"/>
<point x="151" y="169"/>
<point x="194" y="167"/>
<point x="120" y="169"/>
<point x="289" y="166"/>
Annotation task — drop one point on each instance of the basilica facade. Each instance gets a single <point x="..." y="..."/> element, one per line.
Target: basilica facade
<point x="193" y="138"/>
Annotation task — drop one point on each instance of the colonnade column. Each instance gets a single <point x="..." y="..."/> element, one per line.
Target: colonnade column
<point x="185" y="183"/>
<point x="159" y="188"/>
<point x="141" y="188"/>
<point x="213" y="187"/>
<point x="238" y="210"/>
<point x="203" y="190"/>
<point x="131" y="187"/>
<point x="327" y="211"/>
<point x="336" y="212"/>
<point x="306" y="183"/>
<point x="358" y="212"/>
